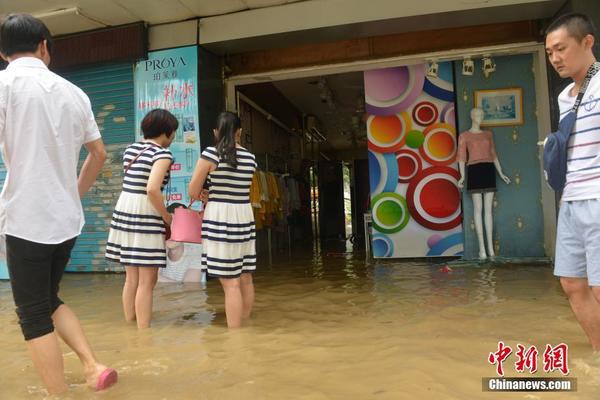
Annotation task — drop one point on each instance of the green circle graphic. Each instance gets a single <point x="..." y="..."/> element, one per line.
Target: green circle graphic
<point x="415" y="139"/>
<point x="390" y="212"/>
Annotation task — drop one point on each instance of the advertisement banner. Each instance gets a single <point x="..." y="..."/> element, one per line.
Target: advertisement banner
<point x="415" y="201"/>
<point x="169" y="79"/>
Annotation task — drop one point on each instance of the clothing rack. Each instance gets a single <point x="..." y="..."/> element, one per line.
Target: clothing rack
<point x="289" y="231"/>
<point x="278" y="166"/>
<point x="268" y="162"/>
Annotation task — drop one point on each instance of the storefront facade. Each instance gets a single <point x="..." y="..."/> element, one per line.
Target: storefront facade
<point x="524" y="211"/>
<point x="524" y="228"/>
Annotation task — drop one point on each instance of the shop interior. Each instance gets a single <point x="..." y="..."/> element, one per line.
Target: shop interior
<point x="311" y="133"/>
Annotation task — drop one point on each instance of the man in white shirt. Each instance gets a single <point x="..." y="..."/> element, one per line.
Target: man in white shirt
<point x="569" y="43"/>
<point x="44" y="122"/>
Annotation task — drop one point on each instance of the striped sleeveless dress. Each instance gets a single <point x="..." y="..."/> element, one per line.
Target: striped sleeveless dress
<point x="228" y="230"/>
<point x="137" y="232"/>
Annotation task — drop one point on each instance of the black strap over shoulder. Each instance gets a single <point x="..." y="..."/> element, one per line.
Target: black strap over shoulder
<point x="135" y="159"/>
<point x="594" y="68"/>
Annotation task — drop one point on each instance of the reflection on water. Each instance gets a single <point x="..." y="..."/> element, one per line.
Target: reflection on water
<point x="326" y="326"/>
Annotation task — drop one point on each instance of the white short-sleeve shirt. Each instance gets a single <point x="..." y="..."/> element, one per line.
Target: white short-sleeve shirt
<point x="44" y="121"/>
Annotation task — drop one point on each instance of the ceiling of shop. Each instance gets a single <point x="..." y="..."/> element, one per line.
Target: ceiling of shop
<point x="231" y="25"/>
<point x="340" y="114"/>
<point x="331" y="20"/>
<point x="61" y="18"/>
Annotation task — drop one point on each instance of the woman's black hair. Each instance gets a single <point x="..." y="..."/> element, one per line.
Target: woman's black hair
<point x="157" y="122"/>
<point x="23" y="33"/>
<point x="227" y="125"/>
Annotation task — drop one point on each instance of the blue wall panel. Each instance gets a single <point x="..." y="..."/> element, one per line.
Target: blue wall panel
<point x="518" y="220"/>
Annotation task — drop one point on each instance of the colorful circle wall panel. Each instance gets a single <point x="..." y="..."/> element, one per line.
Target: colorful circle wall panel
<point x="415" y="139"/>
<point x="441" y="87"/>
<point x="389" y="91"/>
<point x="386" y="84"/>
<point x="383" y="172"/>
<point x="434" y="200"/>
<point x="447" y="115"/>
<point x="387" y="133"/>
<point x="425" y="113"/>
<point x="409" y="165"/>
<point x="434" y="239"/>
<point x="439" y="146"/>
<point x="451" y="245"/>
<point x="445" y="71"/>
<point x="382" y="245"/>
<point x="389" y="212"/>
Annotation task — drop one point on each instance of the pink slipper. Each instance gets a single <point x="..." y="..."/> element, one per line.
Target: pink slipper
<point x="107" y="378"/>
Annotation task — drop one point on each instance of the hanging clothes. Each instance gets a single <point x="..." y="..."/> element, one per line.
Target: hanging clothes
<point x="275" y="196"/>
<point x="266" y="198"/>
<point x="285" y="196"/>
<point x="256" y="199"/>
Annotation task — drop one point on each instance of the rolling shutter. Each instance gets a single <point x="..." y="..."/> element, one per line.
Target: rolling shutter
<point x="110" y="89"/>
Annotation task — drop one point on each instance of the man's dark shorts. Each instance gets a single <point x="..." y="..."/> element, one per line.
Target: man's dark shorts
<point x="35" y="271"/>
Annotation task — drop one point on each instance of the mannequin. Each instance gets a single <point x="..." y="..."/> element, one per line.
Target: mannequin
<point x="477" y="157"/>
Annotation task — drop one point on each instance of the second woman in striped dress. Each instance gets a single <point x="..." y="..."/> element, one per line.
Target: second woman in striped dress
<point x="228" y="231"/>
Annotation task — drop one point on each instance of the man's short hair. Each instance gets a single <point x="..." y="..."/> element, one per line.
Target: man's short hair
<point x="22" y="33"/>
<point x="578" y="25"/>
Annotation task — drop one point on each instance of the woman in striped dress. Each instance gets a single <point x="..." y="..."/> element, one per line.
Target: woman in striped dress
<point x="137" y="232"/>
<point x="228" y="232"/>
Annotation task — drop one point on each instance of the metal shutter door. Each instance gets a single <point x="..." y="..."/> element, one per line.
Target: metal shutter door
<point x="110" y="89"/>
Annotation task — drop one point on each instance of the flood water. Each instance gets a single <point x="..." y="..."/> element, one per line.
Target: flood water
<point x="325" y="327"/>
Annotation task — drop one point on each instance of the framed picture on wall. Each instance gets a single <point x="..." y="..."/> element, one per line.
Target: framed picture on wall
<point x="500" y="106"/>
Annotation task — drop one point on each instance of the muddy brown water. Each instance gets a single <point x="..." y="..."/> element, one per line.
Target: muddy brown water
<point x="325" y="327"/>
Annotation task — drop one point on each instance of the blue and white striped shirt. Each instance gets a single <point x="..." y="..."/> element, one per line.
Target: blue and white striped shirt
<point x="136" y="177"/>
<point x="228" y="184"/>
<point x="583" y="156"/>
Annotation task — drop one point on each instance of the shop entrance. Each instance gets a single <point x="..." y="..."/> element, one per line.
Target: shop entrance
<point x="312" y="130"/>
<point x="318" y="154"/>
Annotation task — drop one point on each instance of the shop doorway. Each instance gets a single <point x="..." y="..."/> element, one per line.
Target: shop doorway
<point x="331" y="193"/>
<point x="347" y="177"/>
<point x="315" y="127"/>
<point x="314" y="201"/>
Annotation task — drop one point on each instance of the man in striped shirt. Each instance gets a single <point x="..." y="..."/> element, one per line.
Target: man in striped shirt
<point x="569" y="43"/>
